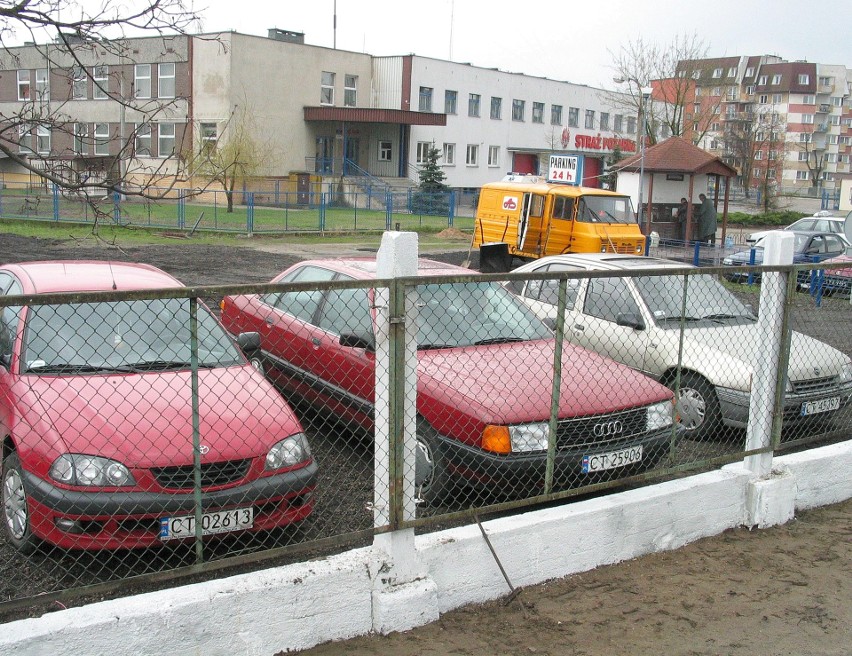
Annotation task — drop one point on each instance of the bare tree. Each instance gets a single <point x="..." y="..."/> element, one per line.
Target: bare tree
<point x="75" y="46"/>
<point x="756" y="142"/>
<point x="668" y="69"/>
<point x="814" y="159"/>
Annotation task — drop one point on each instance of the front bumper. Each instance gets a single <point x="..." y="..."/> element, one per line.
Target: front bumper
<point x="130" y="519"/>
<point x="734" y="404"/>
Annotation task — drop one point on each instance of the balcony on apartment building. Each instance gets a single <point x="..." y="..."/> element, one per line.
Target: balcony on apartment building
<point x="823" y="108"/>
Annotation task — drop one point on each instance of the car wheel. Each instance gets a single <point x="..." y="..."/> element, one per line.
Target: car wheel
<point x="698" y="407"/>
<point x="431" y="478"/>
<point x="16" y="518"/>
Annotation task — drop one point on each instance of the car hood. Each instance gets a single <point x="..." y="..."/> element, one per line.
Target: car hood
<point x="145" y="420"/>
<point x="727" y="354"/>
<point x="512" y="383"/>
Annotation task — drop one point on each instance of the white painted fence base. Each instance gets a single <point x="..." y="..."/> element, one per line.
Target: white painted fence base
<point x="298" y="606"/>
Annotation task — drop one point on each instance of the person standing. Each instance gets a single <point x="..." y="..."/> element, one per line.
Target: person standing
<point x="706" y="220"/>
<point x="680" y="217"/>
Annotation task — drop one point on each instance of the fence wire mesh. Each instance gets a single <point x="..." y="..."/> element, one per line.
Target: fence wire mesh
<point x="144" y="433"/>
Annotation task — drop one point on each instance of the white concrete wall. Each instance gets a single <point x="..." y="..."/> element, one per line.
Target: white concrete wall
<point x="301" y="605"/>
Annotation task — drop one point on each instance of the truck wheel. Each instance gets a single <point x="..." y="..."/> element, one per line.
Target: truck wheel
<point x="16" y="518"/>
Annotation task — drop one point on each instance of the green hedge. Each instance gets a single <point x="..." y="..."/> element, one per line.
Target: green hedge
<point x="776" y="218"/>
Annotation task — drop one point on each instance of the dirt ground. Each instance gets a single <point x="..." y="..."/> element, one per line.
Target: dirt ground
<point x="779" y="591"/>
<point x="785" y="591"/>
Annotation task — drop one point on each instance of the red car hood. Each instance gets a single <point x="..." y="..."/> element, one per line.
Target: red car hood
<point x="145" y="420"/>
<point x="512" y="383"/>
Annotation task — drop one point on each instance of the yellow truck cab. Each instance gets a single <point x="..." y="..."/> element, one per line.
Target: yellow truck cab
<point x="537" y="218"/>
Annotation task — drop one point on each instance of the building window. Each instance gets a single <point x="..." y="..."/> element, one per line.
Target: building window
<point x="808" y="99"/>
<point x="732" y="93"/>
<point x="100" y="82"/>
<point x="749" y="71"/>
<point x="78" y="83"/>
<point x="764" y="99"/>
<point x="518" y="109"/>
<point x="590" y="118"/>
<point x="803" y="156"/>
<point x="631" y="125"/>
<point x="473" y="105"/>
<point x="556" y="114"/>
<point x="835" y="120"/>
<point x="42" y="84"/>
<point x="142" y="143"/>
<point x="538" y="112"/>
<point x="617" y="123"/>
<point x="805" y="137"/>
<point x="425" y="104"/>
<point x="350" y="90"/>
<point x="665" y="131"/>
<point x="714" y="127"/>
<point x="808" y="119"/>
<point x="166" y="139"/>
<point x="836" y="101"/>
<point x="166" y="80"/>
<point x="43" y="139"/>
<point x="101" y="138"/>
<point x="696" y="75"/>
<point x="604" y="120"/>
<point x="804" y="78"/>
<point x="758" y="155"/>
<point x="732" y="71"/>
<point x="777" y="98"/>
<point x="771" y="173"/>
<point x="81" y="138"/>
<point x="422" y="153"/>
<point x="825" y="81"/>
<point x="327" y="88"/>
<point x="762" y="80"/>
<point x="802" y="175"/>
<point x="493" y="155"/>
<point x="756" y="172"/>
<point x="750" y="90"/>
<point x="25" y="138"/>
<point x="776" y="79"/>
<point x="496" y="108"/>
<point x="449" y="158"/>
<point x="450" y="102"/>
<point x="385" y="150"/>
<point x="716" y="92"/>
<point x="831" y="158"/>
<point x="23" y="85"/>
<point x="832" y="139"/>
<point x="142" y="80"/>
<point x="472" y="156"/>
<point x="573" y="117"/>
<point x="717" y="72"/>
<point x="209" y="137"/>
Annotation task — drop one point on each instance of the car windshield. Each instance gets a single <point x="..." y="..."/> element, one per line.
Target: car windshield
<point x="606" y="209"/>
<point x="454" y="315"/>
<point x="132" y="336"/>
<point x="707" y="300"/>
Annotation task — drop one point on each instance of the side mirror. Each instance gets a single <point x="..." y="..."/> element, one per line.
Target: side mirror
<point x="249" y="342"/>
<point x="630" y="319"/>
<point x="6" y="360"/>
<point x="352" y="340"/>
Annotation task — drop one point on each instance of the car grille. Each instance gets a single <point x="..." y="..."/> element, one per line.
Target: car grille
<point x="611" y="429"/>
<point x="626" y="249"/>
<point x="213" y="474"/>
<point x="814" y="385"/>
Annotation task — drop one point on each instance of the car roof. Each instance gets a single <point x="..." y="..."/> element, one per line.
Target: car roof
<point x="48" y="277"/>
<point x="366" y="267"/>
<point x="606" y="261"/>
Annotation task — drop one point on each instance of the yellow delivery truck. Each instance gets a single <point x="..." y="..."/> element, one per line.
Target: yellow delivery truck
<point x="537" y="218"/>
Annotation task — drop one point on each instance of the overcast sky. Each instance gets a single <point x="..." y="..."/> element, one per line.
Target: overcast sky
<point x="559" y="39"/>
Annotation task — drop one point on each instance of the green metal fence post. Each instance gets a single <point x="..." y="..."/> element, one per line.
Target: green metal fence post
<point x="556" y="387"/>
<point x="196" y="428"/>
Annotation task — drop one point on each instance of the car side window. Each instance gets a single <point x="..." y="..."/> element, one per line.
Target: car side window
<point x="9" y="315"/>
<point x="816" y="246"/>
<point x="833" y="244"/>
<point x="301" y="304"/>
<point x="347" y="311"/>
<point x="547" y="291"/>
<point x="606" y="298"/>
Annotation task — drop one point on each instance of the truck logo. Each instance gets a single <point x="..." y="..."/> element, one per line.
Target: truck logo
<point x="510" y="203"/>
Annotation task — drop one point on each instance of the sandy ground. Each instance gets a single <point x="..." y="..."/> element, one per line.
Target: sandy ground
<point x="783" y="591"/>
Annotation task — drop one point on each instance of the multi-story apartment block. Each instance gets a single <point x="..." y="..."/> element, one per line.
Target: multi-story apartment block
<point x="143" y="108"/>
<point x="786" y="124"/>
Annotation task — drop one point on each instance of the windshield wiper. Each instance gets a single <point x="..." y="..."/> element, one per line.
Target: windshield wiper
<point x="69" y="368"/>
<point x="429" y="347"/>
<point x="679" y="319"/>
<point x="498" y="340"/>
<point x="157" y="365"/>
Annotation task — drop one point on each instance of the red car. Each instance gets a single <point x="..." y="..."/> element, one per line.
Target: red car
<point x="97" y="423"/>
<point x="485" y="372"/>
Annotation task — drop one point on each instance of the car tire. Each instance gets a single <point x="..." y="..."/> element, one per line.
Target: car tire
<point x="432" y="481"/>
<point x="698" y="406"/>
<point x="16" y="519"/>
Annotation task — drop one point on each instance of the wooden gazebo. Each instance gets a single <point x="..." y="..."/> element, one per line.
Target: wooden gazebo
<point x="676" y="160"/>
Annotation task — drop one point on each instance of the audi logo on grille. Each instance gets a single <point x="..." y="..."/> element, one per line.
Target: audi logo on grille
<point x="608" y="429"/>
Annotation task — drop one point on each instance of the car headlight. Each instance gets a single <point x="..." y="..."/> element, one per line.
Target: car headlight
<point x="528" y="437"/>
<point x="288" y="452"/>
<point x="659" y="415"/>
<point x="846" y="373"/>
<point x="90" y="471"/>
<point x="728" y="261"/>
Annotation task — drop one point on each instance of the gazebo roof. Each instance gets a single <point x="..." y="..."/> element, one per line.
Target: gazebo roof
<point x="677" y="155"/>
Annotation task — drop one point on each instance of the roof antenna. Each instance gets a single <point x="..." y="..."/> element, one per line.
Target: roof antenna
<point x="112" y="274"/>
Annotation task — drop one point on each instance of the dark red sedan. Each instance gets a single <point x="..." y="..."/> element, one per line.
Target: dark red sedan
<point x="485" y="373"/>
<point x="96" y="418"/>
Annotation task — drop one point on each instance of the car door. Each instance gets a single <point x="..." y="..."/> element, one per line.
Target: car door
<point x="9" y="316"/>
<point x="608" y="306"/>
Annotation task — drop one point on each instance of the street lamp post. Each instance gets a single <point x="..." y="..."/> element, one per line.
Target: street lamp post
<point x="640" y="140"/>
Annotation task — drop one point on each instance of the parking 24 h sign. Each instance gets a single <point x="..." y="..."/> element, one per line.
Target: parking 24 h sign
<point x="565" y="168"/>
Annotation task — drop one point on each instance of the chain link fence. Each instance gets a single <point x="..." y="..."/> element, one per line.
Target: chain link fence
<point x="144" y="439"/>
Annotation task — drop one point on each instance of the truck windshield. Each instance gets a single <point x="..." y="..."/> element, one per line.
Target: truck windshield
<point x="606" y="209"/>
